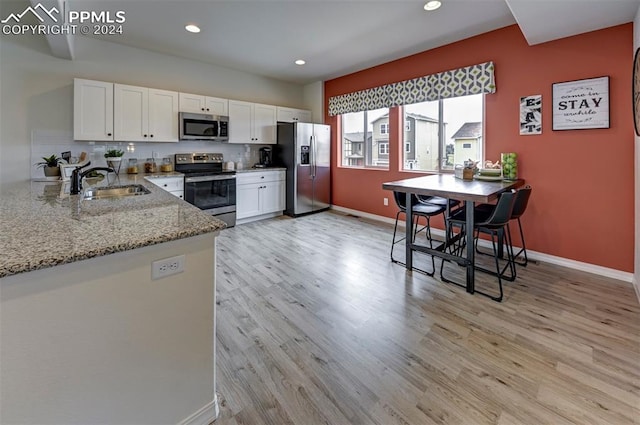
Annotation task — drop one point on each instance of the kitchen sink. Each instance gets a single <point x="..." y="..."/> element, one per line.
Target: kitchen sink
<point x="115" y="191"/>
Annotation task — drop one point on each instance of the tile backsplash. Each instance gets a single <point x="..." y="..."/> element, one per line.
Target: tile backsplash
<point x="45" y="143"/>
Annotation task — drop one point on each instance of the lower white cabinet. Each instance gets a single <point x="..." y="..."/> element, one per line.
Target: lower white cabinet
<point x="259" y="194"/>
<point x="172" y="184"/>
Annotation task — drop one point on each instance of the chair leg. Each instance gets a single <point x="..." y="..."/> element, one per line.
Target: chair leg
<point x="523" y="250"/>
<point x="394" y="241"/>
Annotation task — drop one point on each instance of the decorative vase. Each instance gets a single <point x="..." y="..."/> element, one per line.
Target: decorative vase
<point x="114" y="162"/>
<point x="51" y="171"/>
<point x="509" y="165"/>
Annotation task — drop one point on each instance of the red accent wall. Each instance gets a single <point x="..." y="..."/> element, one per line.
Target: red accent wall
<point x="582" y="205"/>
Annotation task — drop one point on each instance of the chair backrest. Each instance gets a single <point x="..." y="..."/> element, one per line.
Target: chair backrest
<point x="520" y="204"/>
<point x="400" y="199"/>
<point x="503" y="210"/>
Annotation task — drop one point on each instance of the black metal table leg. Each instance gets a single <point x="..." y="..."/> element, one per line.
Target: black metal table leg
<point x="409" y="232"/>
<point x="470" y="251"/>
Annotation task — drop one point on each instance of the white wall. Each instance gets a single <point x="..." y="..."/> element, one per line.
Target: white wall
<point x="36" y="89"/>
<point x="636" y="44"/>
<point x="314" y="100"/>
<point x="98" y="341"/>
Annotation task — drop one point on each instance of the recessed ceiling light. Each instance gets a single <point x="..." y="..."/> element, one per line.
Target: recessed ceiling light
<point x="192" y="28"/>
<point x="432" y="5"/>
<point x="300" y="62"/>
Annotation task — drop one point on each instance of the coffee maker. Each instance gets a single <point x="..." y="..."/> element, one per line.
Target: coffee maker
<point x="266" y="157"/>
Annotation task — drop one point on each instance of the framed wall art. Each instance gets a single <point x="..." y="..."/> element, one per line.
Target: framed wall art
<point x="581" y="104"/>
<point x="636" y="91"/>
<point x="531" y="115"/>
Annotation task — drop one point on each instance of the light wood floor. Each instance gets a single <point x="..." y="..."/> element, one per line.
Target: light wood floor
<point x="316" y="326"/>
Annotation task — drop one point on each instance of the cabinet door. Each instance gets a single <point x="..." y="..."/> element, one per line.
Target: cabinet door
<point x="293" y="115"/>
<point x="131" y="113"/>
<point x="240" y="122"/>
<point x="248" y="200"/>
<point x="193" y="103"/>
<point x="271" y="197"/>
<point x="163" y="116"/>
<point x="217" y="106"/>
<point x="264" y="124"/>
<point x="303" y="115"/>
<point x="92" y="110"/>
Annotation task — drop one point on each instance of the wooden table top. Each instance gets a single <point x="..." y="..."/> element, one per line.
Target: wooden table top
<point x="448" y="186"/>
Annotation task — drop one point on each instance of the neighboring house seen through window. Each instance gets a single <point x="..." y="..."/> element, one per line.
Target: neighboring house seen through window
<point x="364" y="136"/>
<point x="443" y="133"/>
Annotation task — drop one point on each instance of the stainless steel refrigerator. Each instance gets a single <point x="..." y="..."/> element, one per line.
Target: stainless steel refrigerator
<point x="304" y="149"/>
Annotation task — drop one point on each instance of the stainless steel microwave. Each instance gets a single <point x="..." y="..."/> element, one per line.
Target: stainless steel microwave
<point x="204" y="127"/>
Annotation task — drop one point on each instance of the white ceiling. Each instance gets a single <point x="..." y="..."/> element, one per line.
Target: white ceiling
<point x="337" y="37"/>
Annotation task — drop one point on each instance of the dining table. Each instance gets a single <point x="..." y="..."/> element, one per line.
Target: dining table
<point x="450" y="187"/>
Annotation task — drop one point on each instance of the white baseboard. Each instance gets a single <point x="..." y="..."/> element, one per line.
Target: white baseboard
<point x="533" y="255"/>
<point x="257" y="217"/>
<point x="205" y="415"/>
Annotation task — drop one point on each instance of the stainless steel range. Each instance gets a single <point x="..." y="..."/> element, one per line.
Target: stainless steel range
<point x="208" y="187"/>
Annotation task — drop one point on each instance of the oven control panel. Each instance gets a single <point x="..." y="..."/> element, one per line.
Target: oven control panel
<point x="199" y="158"/>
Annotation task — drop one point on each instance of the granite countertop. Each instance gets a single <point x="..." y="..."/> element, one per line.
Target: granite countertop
<point x="252" y="170"/>
<point x="42" y="226"/>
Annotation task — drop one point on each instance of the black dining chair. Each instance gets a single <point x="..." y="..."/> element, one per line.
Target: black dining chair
<point x="493" y="222"/>
<point x="419" y="209"/>
<point x="519" y="208"/>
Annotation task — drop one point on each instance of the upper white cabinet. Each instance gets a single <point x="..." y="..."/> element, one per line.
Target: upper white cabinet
<point x="293" y="115"/>
<point x="145" y="115"/>
<point x="198" y="104"/>
<point x="251" y="123"/>
<point x="92" y="110"/>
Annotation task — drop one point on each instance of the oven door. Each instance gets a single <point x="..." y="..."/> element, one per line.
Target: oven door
<point x="215" y="194"/>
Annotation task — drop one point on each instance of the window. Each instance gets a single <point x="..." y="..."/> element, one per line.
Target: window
<point x="361" y="145"/>
<point x="407" y="147"/>
<point x="445" y="132"/>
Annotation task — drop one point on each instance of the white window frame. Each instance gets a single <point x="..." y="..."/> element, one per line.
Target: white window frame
<point x="384" y="128"/>
<point x="381" y="145"/>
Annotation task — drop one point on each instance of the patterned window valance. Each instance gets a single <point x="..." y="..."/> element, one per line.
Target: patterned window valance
<point x="472" y="79"/>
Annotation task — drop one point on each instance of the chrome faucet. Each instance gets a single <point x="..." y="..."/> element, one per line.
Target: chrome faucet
<point x="77" y="176"/>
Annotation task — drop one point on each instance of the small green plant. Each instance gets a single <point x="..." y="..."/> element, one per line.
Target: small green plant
<point x="113" y="153"/>
<point x="50" y="161"/>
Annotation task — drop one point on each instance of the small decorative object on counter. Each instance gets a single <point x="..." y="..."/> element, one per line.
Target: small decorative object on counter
<point x="150" y="166"/>
<point x="50" y="165"/>
<point x="509" y="165"/>
<point x="114" y="159"/>
<point x="132" y="168"/>
<point x="166" y="165"/>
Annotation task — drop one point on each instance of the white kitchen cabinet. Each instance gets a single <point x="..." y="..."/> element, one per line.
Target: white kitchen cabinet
<point x="252" y="123"/>
<point x="293" y="115"/>
<point x="199" y="104"/>
<point x="259" y="194"/>
<point x="143" y="114"/>
<point x="172" y="184"/>
<point x="92" y="110"/>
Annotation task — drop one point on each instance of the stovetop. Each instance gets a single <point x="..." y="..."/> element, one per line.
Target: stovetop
<point x="200" y="164"/>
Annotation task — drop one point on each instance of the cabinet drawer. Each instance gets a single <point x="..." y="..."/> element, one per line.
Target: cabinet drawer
<point x="168" y="183"/>
<point x="260" y="177"/>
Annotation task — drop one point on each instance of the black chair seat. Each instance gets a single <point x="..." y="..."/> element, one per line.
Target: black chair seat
<point x="438" y="200"/>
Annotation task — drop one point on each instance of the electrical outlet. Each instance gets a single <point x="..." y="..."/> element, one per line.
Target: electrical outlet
<point x="385" y="201"/>
<point x="167" y="267"/>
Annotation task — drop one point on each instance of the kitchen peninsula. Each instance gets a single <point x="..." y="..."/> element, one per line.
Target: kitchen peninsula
<point x="87" y="335"/>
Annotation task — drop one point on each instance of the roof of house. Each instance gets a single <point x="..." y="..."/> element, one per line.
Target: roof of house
<point x="409" y="114"/>
<point x="357" y="137"/>
<point x="469" y="130"/>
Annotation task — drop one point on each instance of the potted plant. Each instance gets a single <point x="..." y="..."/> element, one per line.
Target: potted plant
<point x="114" y="159"/>
<point x="50" y="165"/>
